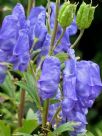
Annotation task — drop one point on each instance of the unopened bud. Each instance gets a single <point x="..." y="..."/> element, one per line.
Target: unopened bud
<point x="85" y="15"/>
<point x="66" y="14"/>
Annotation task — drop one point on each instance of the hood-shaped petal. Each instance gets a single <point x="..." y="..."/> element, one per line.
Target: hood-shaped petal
<point x="22" y="44"/>
<point x="49" y="80"/>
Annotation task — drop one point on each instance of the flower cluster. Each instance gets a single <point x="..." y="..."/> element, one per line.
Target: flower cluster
<point x="79" y="82"/>
<point x="14" y="39"/>
<point x="19" y="35"/>
<point x="81" y="85"/>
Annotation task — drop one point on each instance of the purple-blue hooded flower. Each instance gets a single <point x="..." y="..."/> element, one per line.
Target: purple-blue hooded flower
<point x="14" y="39"/>
<point x="45" y="47"/>
<point x="69" y="87"/>
<point x="34" y="13"/>
<point x="89" y="82"/>
<point x="81" y="85"/>
<point x="79" y="117"/>
<point x="37" y="27"/>
<point x="49" y="80"/>
<point x="19" y="12"/>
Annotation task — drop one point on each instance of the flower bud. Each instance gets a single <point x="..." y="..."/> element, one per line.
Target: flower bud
<point x="85" y="15"/>
<point x="66" y="14"/>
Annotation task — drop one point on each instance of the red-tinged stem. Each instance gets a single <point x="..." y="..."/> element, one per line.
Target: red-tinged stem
<point x="21" y="108"/>
<point x="45" y="113"/>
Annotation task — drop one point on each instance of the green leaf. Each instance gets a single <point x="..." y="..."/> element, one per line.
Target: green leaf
<point x="62" y="56"/>
<point x="62" y="66"/>
<point x="8" y="86"/>
<point x="35" y="53"/>
<point x="29" y="84"/>
<point x="65" y="127"/>
<point x="54" y="101"/>
<point x="98" y="131"/>
<point x="4" y="129"/>
<point x="51" y="134"/>
<point x="28" y="126"/>
<point x="31" y="115"/>
<point x="89" y="134"/>
<point x="21" y="134"/>
<point x="4" y="97"/>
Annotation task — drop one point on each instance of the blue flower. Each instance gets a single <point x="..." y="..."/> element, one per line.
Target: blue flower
<point x="40" y="32"/>
<point x="34" y="13"/>
<point x="81" y="85"/>
<point x="38" y="29"/>
<point x="14" y="39"/>
<point x="45" y="47"/>
<point x="79" y="117"/>
<point x="37" y="26"/>
<point x="88" y="82"/>
<point x="49" y="80"/>
<point x="19" y="12"/>
<point x="69" y="86"/>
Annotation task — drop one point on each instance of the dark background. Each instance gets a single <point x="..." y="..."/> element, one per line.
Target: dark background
<point x="90" y="48"/>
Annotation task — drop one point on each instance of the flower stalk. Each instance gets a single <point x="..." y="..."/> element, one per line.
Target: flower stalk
<point x="61" y="36"/>
<point x="30" y="4"/>
<point x="78" y="39"/>
<point x="55" y="27"/>
<point x="21" y="108"/>
<point x="45" y="113"/>
<point x="49" y="11"/>
<point x="55" y="115"/>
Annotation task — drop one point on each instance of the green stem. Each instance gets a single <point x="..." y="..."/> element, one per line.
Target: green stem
<point x="21" y="108"/>
<point x="49" y="11"/>
<point x="55" y="115"/>
<point x="39" y="66"/>
<point x="39" y="101"/>
<point x="78" y="39"/>
<point x="59" y="38"/>
<point x="45" y="112"/>
<point x="55" y="27"/>
<point x="30" y="2"/>
<point x="33" y="3"/>
<point x="34" y="76"/>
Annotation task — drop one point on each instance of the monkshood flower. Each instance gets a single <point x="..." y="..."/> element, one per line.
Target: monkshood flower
<point x="81" y="85"/>
<point x="45" y="47"/>
<point x="69" y="87"/>
<point x="79" y="117"/>
<point x="88" y="82"/>
<point x="38" y="30"/>
<point x="50" y="76"/>
<point x="14" y="39"/>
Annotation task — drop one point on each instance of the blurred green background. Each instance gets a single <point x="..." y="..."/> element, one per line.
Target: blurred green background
<point x="89" y="48"/>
